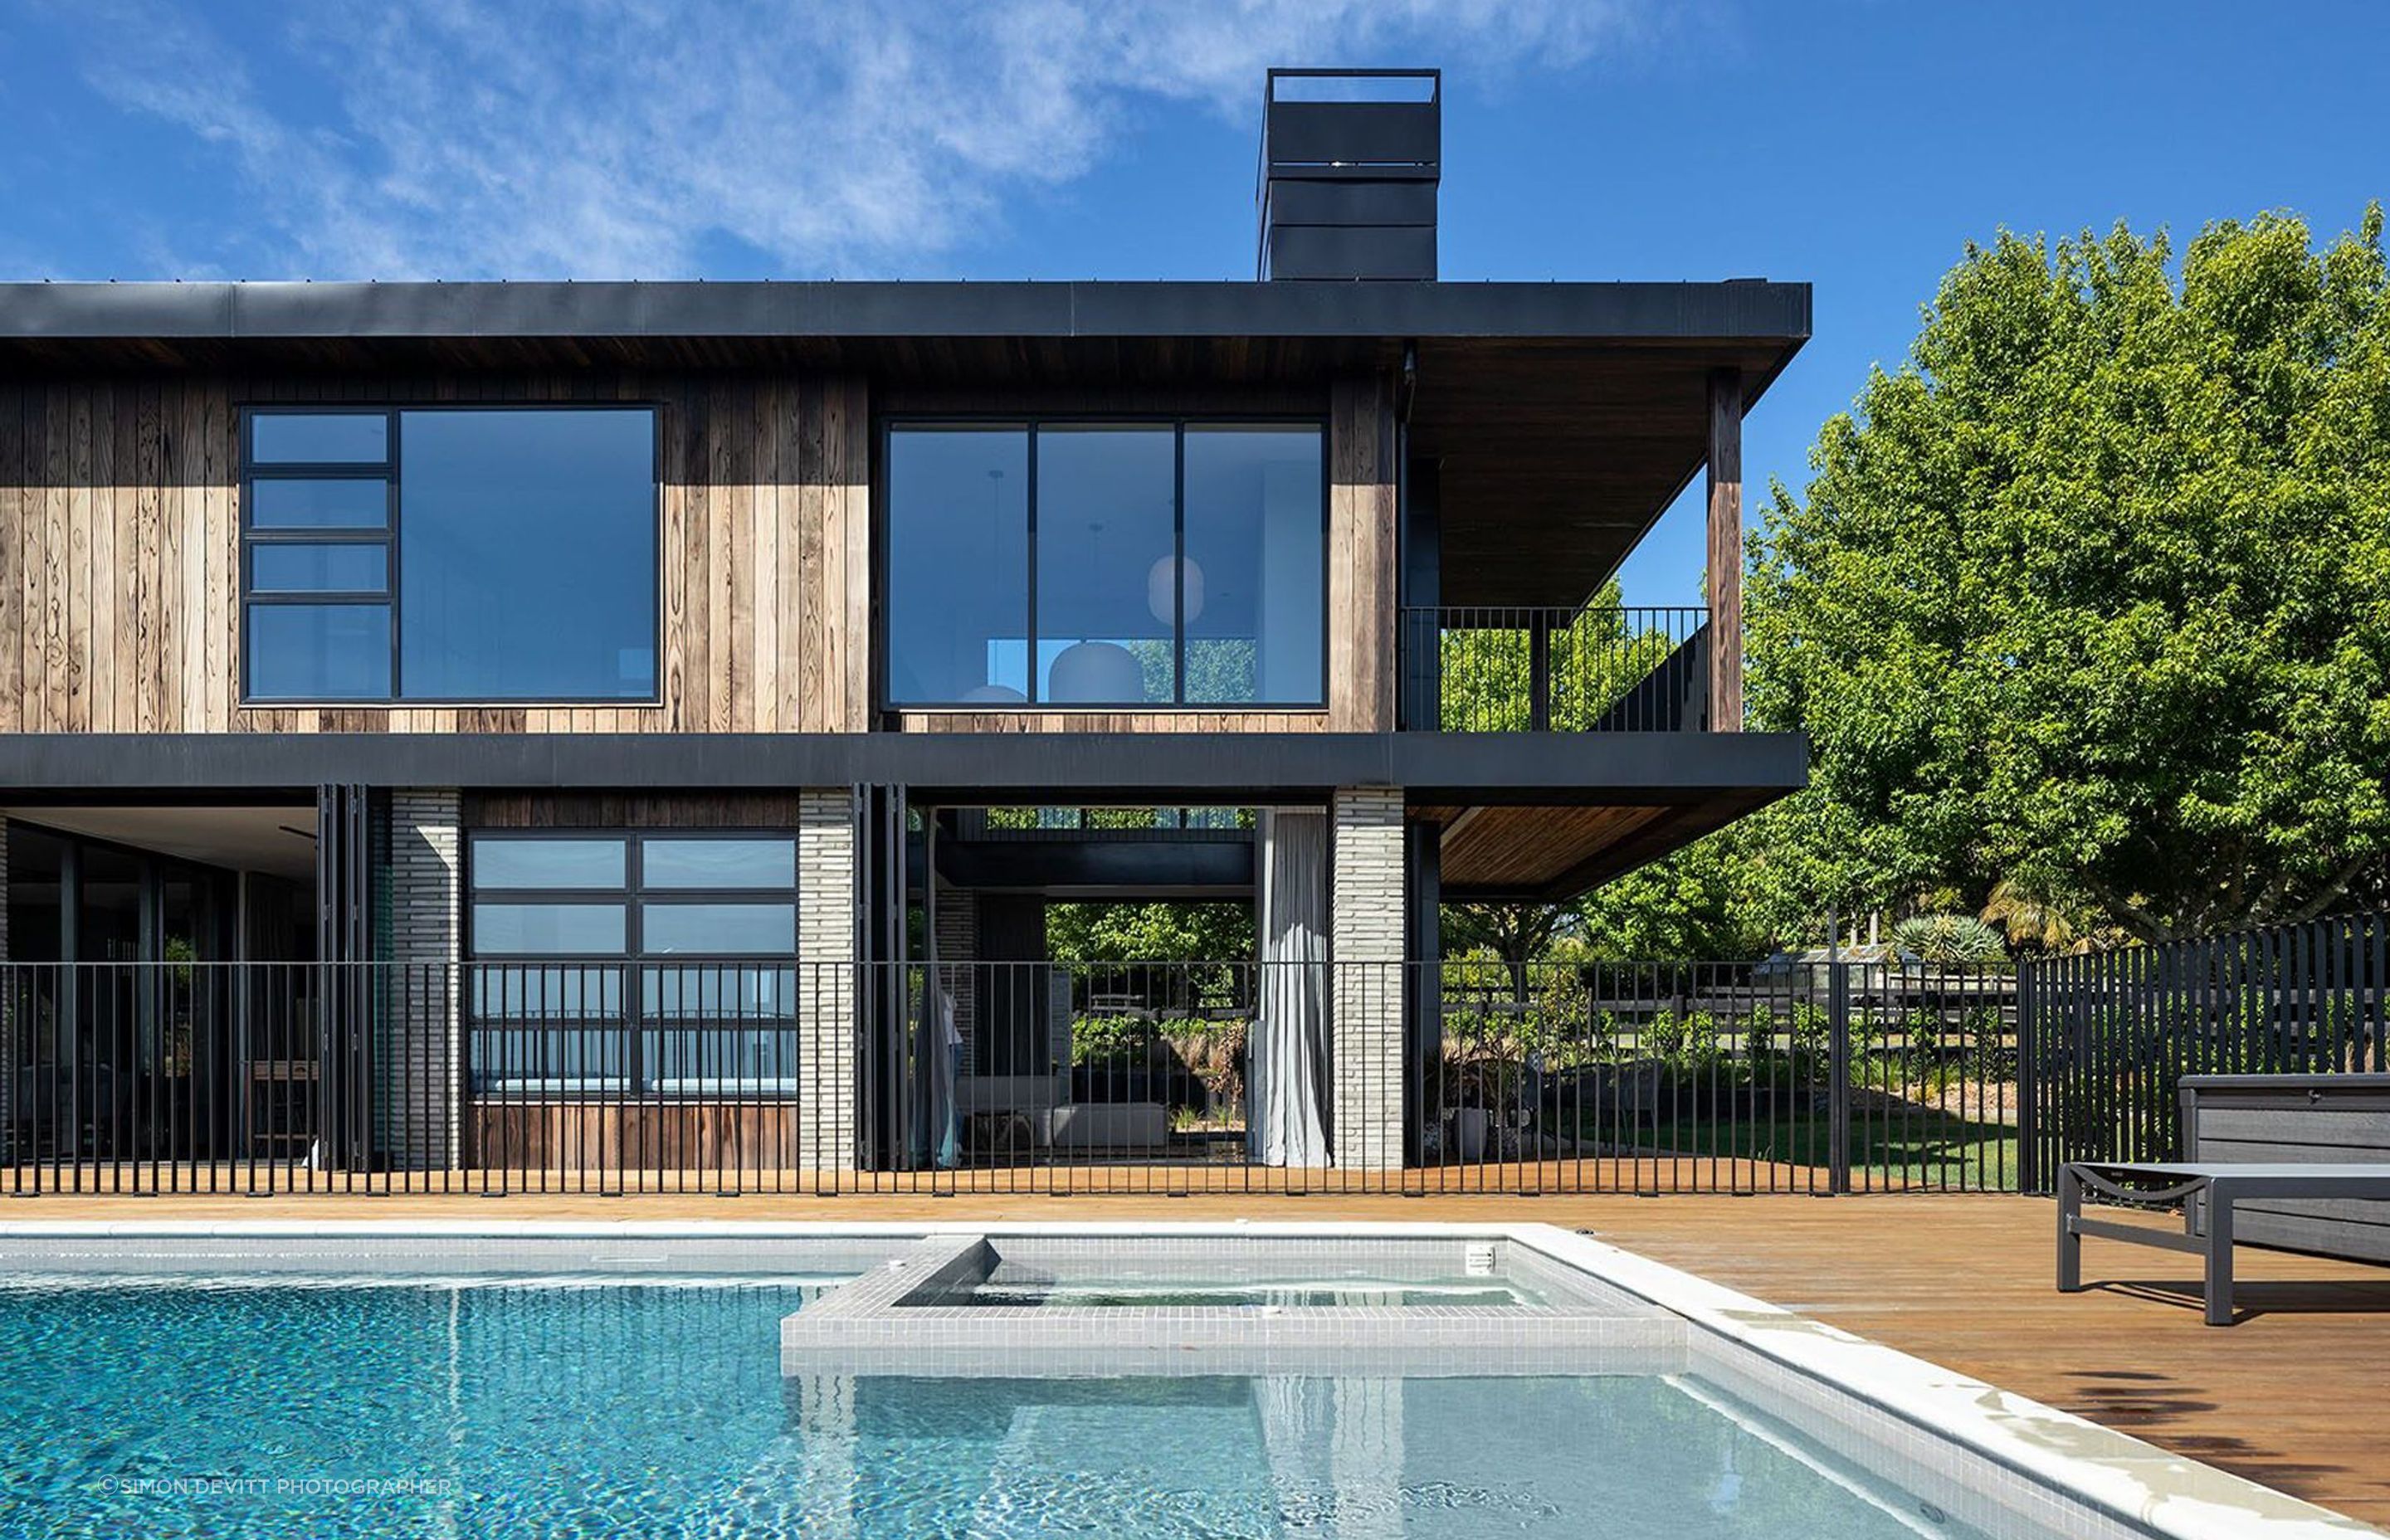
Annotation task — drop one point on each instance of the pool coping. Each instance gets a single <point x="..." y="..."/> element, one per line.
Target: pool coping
<point x="2133" y="1482"/>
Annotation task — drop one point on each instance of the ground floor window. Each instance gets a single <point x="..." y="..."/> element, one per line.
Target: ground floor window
<point x="633" y="963"/>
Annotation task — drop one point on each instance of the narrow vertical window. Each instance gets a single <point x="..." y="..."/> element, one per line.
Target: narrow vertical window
<point x="958" y="565"/>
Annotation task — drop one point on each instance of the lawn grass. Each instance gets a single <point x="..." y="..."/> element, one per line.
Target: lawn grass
<point x="1910" y="1147"/>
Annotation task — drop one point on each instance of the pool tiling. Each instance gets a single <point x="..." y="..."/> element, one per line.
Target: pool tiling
<point x="1077" y="1306"/>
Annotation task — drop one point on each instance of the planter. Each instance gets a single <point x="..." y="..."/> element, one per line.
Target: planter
<point x="1468" y="1133"/>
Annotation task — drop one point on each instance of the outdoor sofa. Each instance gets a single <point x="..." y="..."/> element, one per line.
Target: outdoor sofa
<point x="2297" y="1161"/>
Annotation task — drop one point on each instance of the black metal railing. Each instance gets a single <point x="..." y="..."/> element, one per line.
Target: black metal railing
<point x="1511" y="669"/>
<point x="1236" y="1076"/>
<point x="1004" y="1076"/>
<point x="2109" y="1035"/>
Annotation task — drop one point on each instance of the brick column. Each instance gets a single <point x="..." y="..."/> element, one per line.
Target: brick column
<point x="1366" y="941"/>
<point x="422" y="1054"/>
<point x="825" y="982"/>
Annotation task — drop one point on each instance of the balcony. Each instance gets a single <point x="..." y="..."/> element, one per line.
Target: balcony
<point x="1631" y="669"/>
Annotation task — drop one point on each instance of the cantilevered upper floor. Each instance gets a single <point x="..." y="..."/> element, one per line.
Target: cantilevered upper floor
<point x="1225" y="507"/>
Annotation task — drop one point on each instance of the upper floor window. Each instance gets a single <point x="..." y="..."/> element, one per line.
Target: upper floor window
<point x="453" y="554"/>
<point x="1082" y="563"/>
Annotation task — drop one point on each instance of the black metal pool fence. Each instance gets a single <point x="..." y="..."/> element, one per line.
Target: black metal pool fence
<point x="745" y="1077"/>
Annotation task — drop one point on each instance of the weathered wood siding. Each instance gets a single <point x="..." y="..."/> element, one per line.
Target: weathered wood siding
<point x="120" y="525"/>
<point x="120" y="544"/>
<point x="716" y="1142"/>
<point x="1361" y="553"/>
<point x="631" y="810"/>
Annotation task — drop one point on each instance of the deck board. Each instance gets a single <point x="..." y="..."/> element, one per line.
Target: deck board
<point x="2294" y="1396"/>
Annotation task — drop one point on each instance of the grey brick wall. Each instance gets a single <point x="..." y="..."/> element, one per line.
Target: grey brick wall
<point x="1365" y="940"/>
<point x="825" y="899"/>
<point x="423" y="1043"/>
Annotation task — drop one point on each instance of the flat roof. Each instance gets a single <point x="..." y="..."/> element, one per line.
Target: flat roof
<point x="1563" y="417"/>
<point x="1739" y="308"/>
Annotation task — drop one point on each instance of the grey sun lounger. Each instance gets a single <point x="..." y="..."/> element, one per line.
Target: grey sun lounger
<point x="2207" y="1191"/>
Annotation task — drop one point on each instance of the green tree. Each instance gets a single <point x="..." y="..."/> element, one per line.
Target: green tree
<point x="1182" y="931"/>
<point x="1693" y="904"/>
<point x="2093" y="594"/>
<point x="1600" y="653"/>
<point x="1515" y="933"/>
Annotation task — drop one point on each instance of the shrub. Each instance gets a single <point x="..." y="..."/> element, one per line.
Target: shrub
<point x="1950" y="940"/>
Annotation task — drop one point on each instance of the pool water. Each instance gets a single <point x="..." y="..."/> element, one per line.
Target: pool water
<point x="478" y="1409"/>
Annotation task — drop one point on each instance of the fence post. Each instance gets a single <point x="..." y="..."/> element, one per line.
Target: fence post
<point x="2028" y="1083"/>
<point x="1838" y="1081"/>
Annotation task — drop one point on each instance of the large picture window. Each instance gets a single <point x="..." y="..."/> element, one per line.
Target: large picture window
<point x="1114" y="563"/>
<point x="619" y="964"/>
<point x="448" y="554"/>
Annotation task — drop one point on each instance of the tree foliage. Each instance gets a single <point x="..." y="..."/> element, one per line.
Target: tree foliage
<point x="1186" y="930"/>
<point x="1594" y="660"/>
<point x="2093" y="594"/>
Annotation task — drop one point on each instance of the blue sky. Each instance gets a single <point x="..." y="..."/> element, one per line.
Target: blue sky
<point x="1858" y="146"/>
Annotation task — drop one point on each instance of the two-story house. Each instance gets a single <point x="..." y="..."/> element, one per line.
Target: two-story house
<point x="458" y="730"/>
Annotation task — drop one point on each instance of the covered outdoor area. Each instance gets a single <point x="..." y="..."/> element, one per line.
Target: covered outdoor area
<point x="1063" y="1053"/>
<point x="131" y="1034"/>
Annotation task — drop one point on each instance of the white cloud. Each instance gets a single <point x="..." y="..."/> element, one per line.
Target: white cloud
<point x="615" y="138"/>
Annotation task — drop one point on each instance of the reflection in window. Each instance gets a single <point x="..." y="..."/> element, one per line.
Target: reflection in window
<point x="521" y="556"/>
<point x="1253" y="575"/>
<point x="958" y="565"/>
<point x="663" y="963"/>
<point x="1147" y="543"/>
<point x="527" y="555"/>
<point x="499" y="862"/>
<point x="548" y="930"/>
<point x="718" y="929"/>
<point x="319" y="651"/>
<point x="319" y="438"/>
<point x="329" y="569"/>
<point x="1107" y="555"/>
<point x="357" y="503"/>
<point x="718" y="863"/>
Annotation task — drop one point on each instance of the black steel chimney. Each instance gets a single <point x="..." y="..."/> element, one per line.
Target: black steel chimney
<point x="1350" y="164"/>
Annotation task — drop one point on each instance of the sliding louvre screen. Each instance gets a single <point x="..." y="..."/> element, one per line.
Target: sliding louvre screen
<point x="343" y="990"/>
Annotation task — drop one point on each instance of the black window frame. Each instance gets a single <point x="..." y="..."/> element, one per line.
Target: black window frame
<point x="390" y="537"/>
<point x="1031" y="423"/>
<point x="634" y="965"/>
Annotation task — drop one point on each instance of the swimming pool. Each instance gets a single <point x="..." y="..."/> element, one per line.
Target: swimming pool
<point x="534" y="1386"/>
<point x="508" y="1408"/>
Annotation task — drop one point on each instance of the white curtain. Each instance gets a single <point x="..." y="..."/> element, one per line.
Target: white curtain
<point x="1287" y="1060"/>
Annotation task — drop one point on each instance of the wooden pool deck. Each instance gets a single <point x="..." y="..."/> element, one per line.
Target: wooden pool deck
<point x="2296" y="1396"/>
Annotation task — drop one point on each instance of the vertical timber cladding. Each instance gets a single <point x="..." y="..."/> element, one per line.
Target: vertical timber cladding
<point x="1361" y="553"/>
<point x="119" y="545"/>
